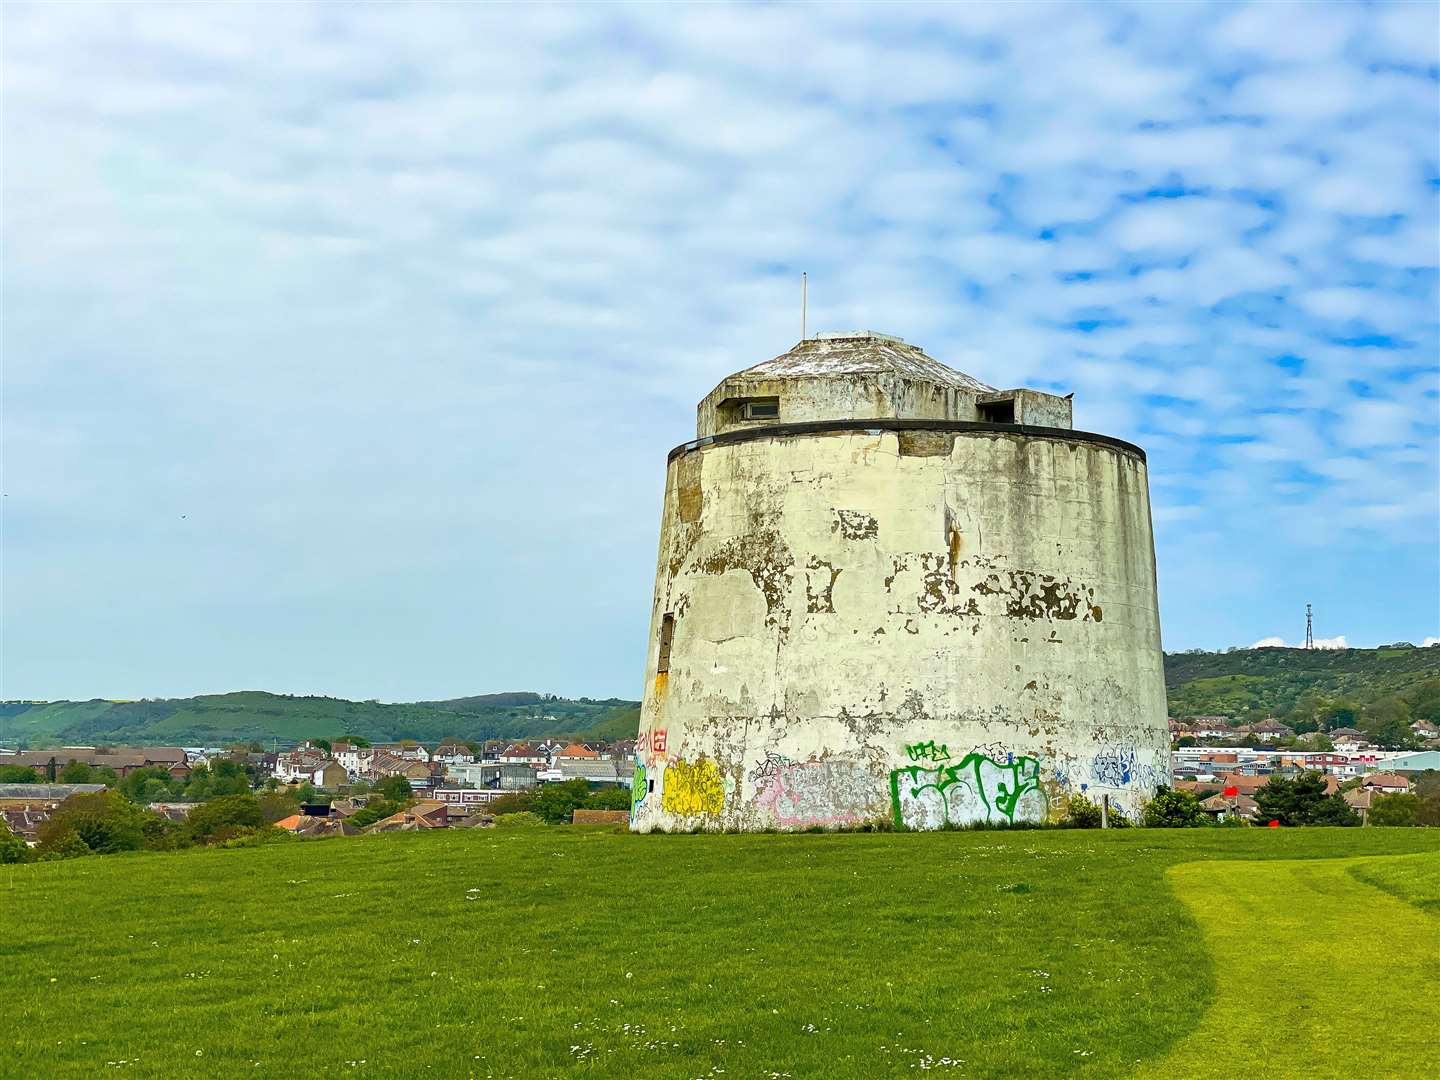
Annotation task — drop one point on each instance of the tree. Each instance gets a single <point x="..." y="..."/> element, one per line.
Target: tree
<point x="394" y="788"/>
<point x="77" y="772"/>
<point x="1424" y="701"/>
<point x="1173" y="810"/>
<point x="1387" y="722"/>
<point x="556" y="802"/>
<point x="375" y="810"/>
<point x="356" y="740"/>
<point x="321" y="744"/>
<point x="150" y="784"/>
<point x="1302" y="801"/>
<point x="1186" y="740"/>
<point x="105" y="821"/>
<point x="609" y="798"/>
<point x="276" y="805"/>
<point x="18" y="774"/>
<point x="224" y="817"/>
<point x="1398" y="809"/>
<point x="63" y="845"/>
<point x="12" y="848"/>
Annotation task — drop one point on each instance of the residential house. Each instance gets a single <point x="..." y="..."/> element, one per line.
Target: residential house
<point x="1245" y="785"/>
<point x="1271" y="730"/>
<point x="1360" y="800"/>
<point x="523" y="754"/>
<point x="1223" y="807"/>
<point x="49" y="763"/>
<point x="298" y="766"/>
<point x="25" y="807"/>
<point x="1386" y="783"/>
<point x="330" y="775"/>
<point x="426" y="814"/>
<point x="574" y="752"/>
<point x="1425" y="731"/>
<point x="408" y="749"/>
<point x="355" y="760"/>
<point x="1209" y="727"/>
<point x="309" y="825"/>
<point x="453" y="752"/>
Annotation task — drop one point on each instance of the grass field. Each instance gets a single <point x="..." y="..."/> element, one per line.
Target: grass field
<point x="549" y="952"/>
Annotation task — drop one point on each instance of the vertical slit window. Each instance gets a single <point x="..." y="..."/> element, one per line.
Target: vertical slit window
<point x="667" y="636"/>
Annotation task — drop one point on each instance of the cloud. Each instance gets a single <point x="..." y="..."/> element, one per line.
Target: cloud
<point x="1320" y="643"/>
<point x="403" y="311"/>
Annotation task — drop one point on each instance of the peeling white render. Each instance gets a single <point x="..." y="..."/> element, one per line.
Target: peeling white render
<point x="897" y="613"/>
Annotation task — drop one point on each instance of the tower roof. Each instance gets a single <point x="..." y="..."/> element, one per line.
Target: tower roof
<point x="860" y="352"/>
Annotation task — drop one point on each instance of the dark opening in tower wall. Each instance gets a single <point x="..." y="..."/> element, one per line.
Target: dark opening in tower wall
<point x="765" y="408"/>
<point x="999" y="411"/>
<point x="667" y="636"/>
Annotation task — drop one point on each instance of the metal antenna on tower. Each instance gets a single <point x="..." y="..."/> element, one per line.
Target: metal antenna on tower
<point x="1309" y="629"/>
<point x="804" y="301"/>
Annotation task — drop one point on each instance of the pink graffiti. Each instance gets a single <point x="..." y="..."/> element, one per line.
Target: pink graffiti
<point x="817" y="793"/>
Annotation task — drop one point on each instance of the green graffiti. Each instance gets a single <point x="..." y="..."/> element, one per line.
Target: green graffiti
<point x="977" y="788"/>
<point x="928" y="751"/>
<point x="637" y="790"/>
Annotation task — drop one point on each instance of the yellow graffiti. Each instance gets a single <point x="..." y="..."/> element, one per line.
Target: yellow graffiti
<point x="696" y="788"/>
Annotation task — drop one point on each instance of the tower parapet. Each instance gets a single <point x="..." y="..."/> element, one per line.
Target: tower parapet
<point x="859" y="375"/>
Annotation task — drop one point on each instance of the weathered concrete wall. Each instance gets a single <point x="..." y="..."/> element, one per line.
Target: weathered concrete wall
<point x="855" y="396"/>
<point x="925" y="627"/>
<point x="1042" y="410"/>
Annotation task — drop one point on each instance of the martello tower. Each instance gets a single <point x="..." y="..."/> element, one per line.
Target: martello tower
<point x="889" y="592"/>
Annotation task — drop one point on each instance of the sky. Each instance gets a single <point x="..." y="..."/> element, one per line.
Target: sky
<point x="343" y="344"/>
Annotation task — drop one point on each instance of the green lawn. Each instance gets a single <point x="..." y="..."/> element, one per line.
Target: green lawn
<point x="550" y="952"/>
<point x="1306" y="954"/>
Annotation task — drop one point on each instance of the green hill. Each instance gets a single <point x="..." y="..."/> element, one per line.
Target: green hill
<point x="254" y="714"/>
<point x="1305" y="685"/>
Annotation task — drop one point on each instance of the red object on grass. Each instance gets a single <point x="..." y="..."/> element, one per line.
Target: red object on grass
<point x="1273" y="825"/>
<point x="1231" y="792"/>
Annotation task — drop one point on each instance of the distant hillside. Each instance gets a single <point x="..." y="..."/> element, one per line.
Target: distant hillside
<point x="1292" y="683"/>
<point x="1285" y="682"/>
<point x="254" y="714"/>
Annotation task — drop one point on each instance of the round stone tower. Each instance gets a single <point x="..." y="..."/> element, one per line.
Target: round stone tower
<point x="890" y="593"/>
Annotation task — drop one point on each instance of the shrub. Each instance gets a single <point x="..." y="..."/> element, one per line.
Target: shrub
<point x="1173" y="810"/>
<point x="1398" y="809"/>
<point x="223" y="818"/>
<point x="514" y="802"/>
<point x="524" y="817"/>
<point x="105" y="822"/>
<point x="556" y="802"/>
<point x="396" y="789"/>
<point x="12" y="848"/>
<point x="277" y="805"/>
<point x="609" y="798"/>
<point x="63" y="845"/>
<point x="265" y="834"/>
<point x="1081" y="813"/>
